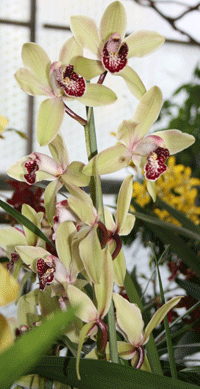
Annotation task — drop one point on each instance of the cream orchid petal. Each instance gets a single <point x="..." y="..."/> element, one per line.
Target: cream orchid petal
<point x="49" y="120"/>
<point x="88" y="68"/>
<point x="108" y="161"/>
<point x="97" y="95"/>
<point x="123" y="202"/>
<point x="85" y="32"/>
<point x="148" y="109"/>
<point x="11" y="237"/>
<point x="9" y="289"/>
<point x="113" y="20"/>
<point x="64" y="234"/>
<point x="133" y="82"/>
<point x="175" y="140"/>
<point x="6" y="333"/>
<point x="109" y="222"/>
<point x="59" y="151"/>
<point x="125" y="350"/>
<point x="104" y="289"/>
<point x="87" y="312"/>
<point x="151" y="187"/>
<point x="129" y="319"/>
<point x="128" y="225"/>
<point x="69" y="50"/>
<point x="86" y="212"/>
<point x="37" y="60"/>
<point x="91" y="255"/>
<point x="128" y="132"/>
<point x="35" y="218"/>
<point x="31" y="84"/>
<point x="17" y="169"/>
<point x="74" y="175"/>
<point x="30" y="255"/>
<point x="159" y="316"/>
<point x="144" y="42"/>
<point x="119" y="265"/>
<point x="50" y="199"/>
<point x="148" y="144"/>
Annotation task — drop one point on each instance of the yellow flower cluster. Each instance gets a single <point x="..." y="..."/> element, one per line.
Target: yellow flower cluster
<point x="175" y="187"/>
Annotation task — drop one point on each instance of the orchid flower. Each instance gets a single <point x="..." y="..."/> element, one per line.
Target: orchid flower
<point x="147" y="152"/>
<point x="37" y="166"/>
<point x="88" y="312"/>
<point x="110" y="47"/>
<point x="59" y="83"/>
<point x="55" y="271"/>
<point x="130" y="324"/>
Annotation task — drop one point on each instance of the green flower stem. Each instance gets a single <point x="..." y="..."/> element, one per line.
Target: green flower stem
<point x="96" y="195"/>
<point x="168" y="335"/>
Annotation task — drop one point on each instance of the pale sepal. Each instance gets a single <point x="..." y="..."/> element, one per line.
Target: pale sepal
<point x="35" y="218"/>
<point x="159" y="316"/>
<point x="175" y="140"/>
<point x="6" y="335"/>
<point x="143" y="42"/>
<point x="87" y="311"/>
<point x="133" y="82"/>
<point x="85" y="32"/>
<point x="108" y="161"/>
<point x="74" y="175"/>
<point x="88" y="68"/>
<point x="128" y="224"/>
<point x="109" y="222"/>
<point x="123" y="202"/>
<point x="29" y="255"/>
<point x="50" y="199"/>
<point x="47" y="302"/>
<point x="91" y="254"/>
<point x="59" y="151"/>
<point x="37" y="60"/>
<point x="69" y="50"/>
<point x="31" y="84"/>
<point x="10" y="237"/>
<point x="9" y="287"/>
<point x="148" y="110"/>
<point x="27" y="309"/>
<point x="97" y="95"/>
<point x="49" y="120"/>
<point x="129" y="319"/>
<point x="113" y="20"/>
<point x="104" y="289"/>
<point x="85" y="211"/>
<point x="83" y="333"/>
<point x="151" y="187"/>
<point x="17" y="169"/>
<point x="119" y="265"/>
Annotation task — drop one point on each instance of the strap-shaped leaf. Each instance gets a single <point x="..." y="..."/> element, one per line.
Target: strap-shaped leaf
<point x="103" y="375"/>
<point x="24" y="221"/>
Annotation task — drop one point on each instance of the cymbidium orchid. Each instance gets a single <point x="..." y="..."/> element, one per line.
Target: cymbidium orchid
<point x="60" y="83"/>
<point x="55" y="271"/>
<point x="91" y="314"/>
<point x="37" y="166"/>
<point x="110" y="47"/>
<point x="147" y="152"/>
<point x="130" y="324"/>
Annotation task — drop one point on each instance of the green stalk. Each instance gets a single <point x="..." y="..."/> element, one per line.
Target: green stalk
<point x="167" y="329"/>
<point x="96" y="195"/>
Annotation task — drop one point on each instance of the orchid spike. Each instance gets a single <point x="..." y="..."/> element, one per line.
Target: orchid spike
<point x="111" y="48"/>
<point x="59" y="83"/>
<point x="147" y="152"/>
<point x="37" y="166"/>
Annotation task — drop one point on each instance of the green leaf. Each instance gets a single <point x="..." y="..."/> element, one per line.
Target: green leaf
<point x="103" y="375"/>
<point x="190" y="287"/>
<point x="19" y="358"/>
<point x="24" y="221"/>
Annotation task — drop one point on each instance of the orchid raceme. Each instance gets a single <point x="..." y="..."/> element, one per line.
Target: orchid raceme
<point x="37" y="166"/>
<point x="147" y="152"/>
<point x="110" y="47"/>
<point x="59" y="83"/>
